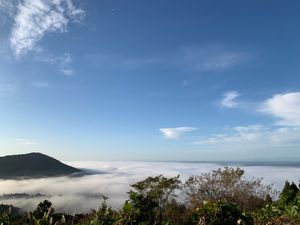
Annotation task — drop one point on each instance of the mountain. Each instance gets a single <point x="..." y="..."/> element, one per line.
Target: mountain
<point x="33" y="165"/>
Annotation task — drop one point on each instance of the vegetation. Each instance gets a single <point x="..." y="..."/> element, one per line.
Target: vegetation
<point x="222" y="197"/>
<point x="227" y="185"/>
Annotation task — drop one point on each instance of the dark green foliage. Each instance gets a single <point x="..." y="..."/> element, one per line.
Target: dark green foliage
<point x="5" y="219"/>
<point x="11" y="210"/>
<point x="286" y="210"/>
<point x="176" y="212"/>
<point x="219" y="213"/>
<point x="148" y="199"/>
<point x="105" y="215"/>
<point x="288" y="193"/>
<point x="268" y="199"/>
<point x="42" y="209"/>
<point x="10" y="215"/>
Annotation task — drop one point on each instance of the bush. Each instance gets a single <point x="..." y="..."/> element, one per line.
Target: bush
<point x="220" y="213"/>
<point x="228" y="185"/>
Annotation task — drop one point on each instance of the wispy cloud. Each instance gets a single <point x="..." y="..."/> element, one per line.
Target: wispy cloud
<point x="177" y="132"/>
<point x="211" y="58"/>
<point x="26" y="141"/>
<point x="285" y="107"/>
<point x="117" y="61"/>
<point x="194" y="58"/>
<point x="283" y="134"/>
<point x="8" y="7"/>
<point x="62" y="62"/>
<point x="229" y="99"/>
<point x="254" y="137"/>
<point x="35" y="18"/>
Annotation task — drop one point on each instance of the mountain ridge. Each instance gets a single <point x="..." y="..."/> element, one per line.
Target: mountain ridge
<point x="32" y="165"/>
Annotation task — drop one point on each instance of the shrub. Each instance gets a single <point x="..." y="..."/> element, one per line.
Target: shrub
<point x="228" y="185"/>
<point x="219" y="213"/>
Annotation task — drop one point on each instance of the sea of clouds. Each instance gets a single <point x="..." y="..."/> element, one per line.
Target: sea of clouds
<point x="80" y="194"/>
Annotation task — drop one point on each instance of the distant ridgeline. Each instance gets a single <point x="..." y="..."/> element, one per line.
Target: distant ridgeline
<point x="33" y="165"/>
<point x="21" y="196"/>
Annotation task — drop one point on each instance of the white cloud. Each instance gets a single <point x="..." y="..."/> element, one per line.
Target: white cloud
<point x="26" y="141"/>
<point x="229" y="99"/>
<point x="35" y="18"/>
<point x="285" y="107"/>
<point x="177" y="132"/>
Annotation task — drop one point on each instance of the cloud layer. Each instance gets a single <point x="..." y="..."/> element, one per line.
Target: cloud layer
<point x="80" y="194"/>
<point x="35" y="18"/>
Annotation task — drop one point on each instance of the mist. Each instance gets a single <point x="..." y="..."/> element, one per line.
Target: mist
<point x="81" y="194"/>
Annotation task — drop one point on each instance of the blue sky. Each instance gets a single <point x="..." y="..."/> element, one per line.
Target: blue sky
<point x="150" y="80"/>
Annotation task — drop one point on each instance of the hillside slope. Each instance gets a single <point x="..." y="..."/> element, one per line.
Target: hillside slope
<point x="33" y="165"/>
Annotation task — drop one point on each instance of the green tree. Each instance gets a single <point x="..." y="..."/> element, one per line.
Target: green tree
<point x="43" y="208"/>
<point x="288" y="193"/>
<point x="148" y="198"/>
<point x="105" y="214"/>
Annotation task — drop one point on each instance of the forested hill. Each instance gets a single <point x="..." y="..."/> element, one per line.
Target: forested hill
<point x="33" y="165"/>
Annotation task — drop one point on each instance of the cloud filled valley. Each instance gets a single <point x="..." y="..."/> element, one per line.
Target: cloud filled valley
<point x="81" y="194"/>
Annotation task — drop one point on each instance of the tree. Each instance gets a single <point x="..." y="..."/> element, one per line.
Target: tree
<point x="43" y="208"/>
<point x="105" y="214"/>
<point x="288" y="193"/>
<point x="228" y="185"/>
<point x="148" y="198"/>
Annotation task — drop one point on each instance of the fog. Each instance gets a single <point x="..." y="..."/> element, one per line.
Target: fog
<point x="80" y="194"/>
